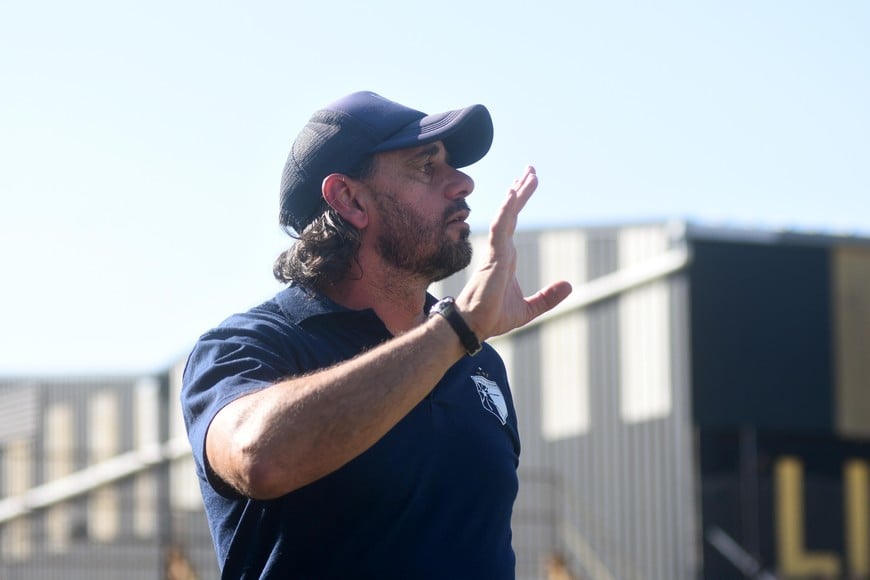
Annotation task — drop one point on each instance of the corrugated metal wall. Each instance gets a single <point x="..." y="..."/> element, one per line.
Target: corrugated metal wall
<point x="602" y="395"/>
<point x="58" y="428"/>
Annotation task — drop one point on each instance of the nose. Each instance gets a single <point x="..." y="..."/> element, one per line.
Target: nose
<point x="460" y="185"/>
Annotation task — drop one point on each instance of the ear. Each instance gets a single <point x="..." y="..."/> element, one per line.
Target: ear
<point x="344" y="195"/>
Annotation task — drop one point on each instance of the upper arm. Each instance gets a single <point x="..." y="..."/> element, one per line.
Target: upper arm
<point x="223" y="370"/>
<point x="224" y="446"/>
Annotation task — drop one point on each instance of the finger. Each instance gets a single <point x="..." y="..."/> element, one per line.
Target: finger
<point x="528" y="185"/>
<point x="505" y="221"/>
<point x="518" y="182"/>
<point x="548" y="298"/>
<point x="523" y="187"/>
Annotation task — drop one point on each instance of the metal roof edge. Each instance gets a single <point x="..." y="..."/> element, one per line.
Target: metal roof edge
<point x="760" y="235"/>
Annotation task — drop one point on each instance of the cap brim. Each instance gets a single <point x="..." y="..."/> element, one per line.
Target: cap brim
<point x="467" y="134"/>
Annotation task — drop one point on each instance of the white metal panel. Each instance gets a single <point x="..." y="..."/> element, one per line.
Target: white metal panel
<point x="60" y="446"/>
<point x="146" y="410"/>
<point x="564" y="378"/>
<point x="103" y="443"/>
<point x="644" y="324"/>
<point x="564" y="348"/>
<point x="18" y="470"/>
<point x="184" y="485"/>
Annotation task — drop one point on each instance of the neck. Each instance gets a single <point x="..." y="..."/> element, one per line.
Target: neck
<point x="396" y="298"/>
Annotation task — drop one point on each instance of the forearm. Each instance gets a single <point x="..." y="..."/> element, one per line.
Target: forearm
<point x="276" y="440"/>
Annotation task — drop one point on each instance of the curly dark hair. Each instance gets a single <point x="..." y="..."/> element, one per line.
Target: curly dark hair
<point x="325" y="251"/>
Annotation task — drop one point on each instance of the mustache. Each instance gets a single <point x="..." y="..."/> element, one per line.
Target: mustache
<point x="454" y="208"/>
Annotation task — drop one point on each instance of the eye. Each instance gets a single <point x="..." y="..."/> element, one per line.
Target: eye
<point x="428" y="167"/>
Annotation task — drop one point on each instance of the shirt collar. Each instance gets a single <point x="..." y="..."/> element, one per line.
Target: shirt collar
<point x="299" y="304"/>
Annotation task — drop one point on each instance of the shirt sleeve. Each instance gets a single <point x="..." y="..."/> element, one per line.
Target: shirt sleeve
<point x="240" y="357"/>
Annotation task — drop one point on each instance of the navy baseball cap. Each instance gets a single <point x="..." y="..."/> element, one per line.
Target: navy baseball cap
<point x="339" y="137"/>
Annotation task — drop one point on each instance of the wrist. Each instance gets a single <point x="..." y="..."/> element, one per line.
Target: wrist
<point x="446" y="308"/>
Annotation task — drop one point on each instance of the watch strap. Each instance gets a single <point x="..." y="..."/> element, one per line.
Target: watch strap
<point x="446" y="307"/>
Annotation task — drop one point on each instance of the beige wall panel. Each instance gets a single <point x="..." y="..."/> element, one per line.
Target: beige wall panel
<point x="851" y="289"/>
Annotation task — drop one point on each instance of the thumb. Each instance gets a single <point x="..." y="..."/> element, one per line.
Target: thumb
<point x="548" y="298"/>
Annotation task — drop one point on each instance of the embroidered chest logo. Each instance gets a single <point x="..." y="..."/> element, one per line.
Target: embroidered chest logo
<point x="491" y="397"/>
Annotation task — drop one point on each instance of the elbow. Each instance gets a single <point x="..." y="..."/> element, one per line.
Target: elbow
<point x="258" y="458"/>
<point x="241" y="458"/>
<point x="258" y="477"/>
<point x="257" y="471"/>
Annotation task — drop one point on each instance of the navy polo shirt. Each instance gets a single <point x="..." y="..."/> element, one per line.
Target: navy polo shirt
<point x="432" y="499"/>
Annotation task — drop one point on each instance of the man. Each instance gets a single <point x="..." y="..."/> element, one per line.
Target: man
<point x="351" y="427"/>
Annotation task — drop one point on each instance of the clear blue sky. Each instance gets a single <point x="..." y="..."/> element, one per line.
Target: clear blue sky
<point x="141" y="143"/>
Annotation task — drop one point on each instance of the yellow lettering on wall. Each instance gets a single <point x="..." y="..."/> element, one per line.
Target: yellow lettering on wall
<point x="793" y="558"/>
<point x="856" y="481"/>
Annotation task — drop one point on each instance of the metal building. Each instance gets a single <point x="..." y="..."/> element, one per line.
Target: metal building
<point x="698" y="408"/>
<point x="96" y="481"/>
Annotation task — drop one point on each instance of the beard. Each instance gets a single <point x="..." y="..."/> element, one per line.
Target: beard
<point x="419" y="246"/>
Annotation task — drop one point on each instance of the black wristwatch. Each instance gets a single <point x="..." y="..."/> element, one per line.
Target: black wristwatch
<point x="446" y="307"/>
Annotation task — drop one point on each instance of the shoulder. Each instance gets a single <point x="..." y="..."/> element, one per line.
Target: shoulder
<point x="276" y="318"/>
<point x="294" y="332"/>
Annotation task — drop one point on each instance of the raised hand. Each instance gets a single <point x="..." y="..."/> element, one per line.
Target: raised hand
<point x="492" y="301"/>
